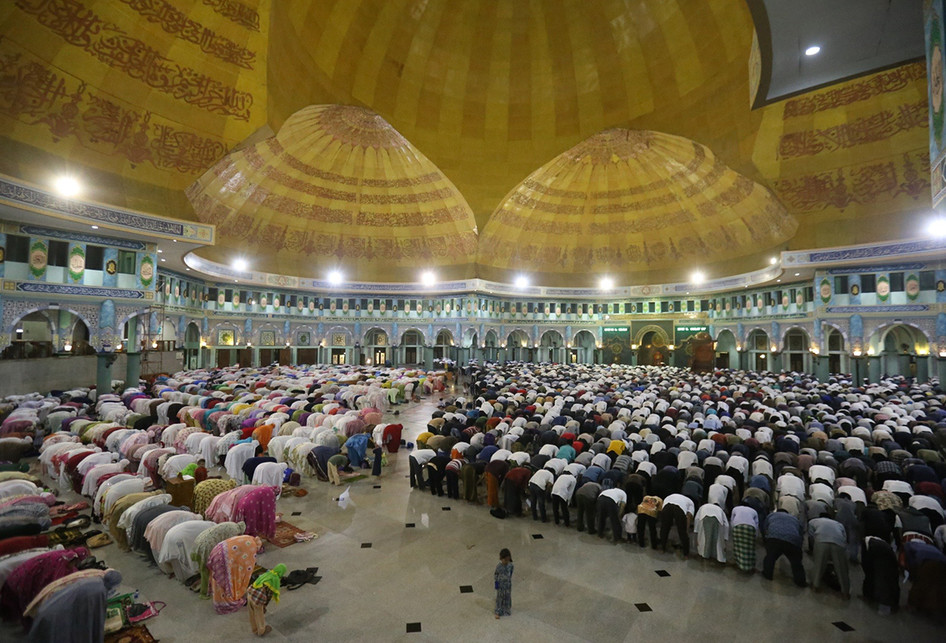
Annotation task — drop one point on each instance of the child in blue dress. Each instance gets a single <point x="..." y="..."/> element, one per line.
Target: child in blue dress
<point x="503" y="582"/>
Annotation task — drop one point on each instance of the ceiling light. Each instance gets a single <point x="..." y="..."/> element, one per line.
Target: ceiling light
<point x="160" y="251"/>
<point x="67" y="186"/>
<point x="606" y="283"/>
<point x="335" y="277"/>
<point x="240" y="264"/>
<point x="813" y="50"/>
<point x="797" y="274"/>
<point x="428" y="278"/>
<point x="162" y="260"/>
<point x="187" y="269"/>
<point x="936" y="228"/>
<point x="174" y="240"/>
<point x="778" y="281"/>
<point x="773" y="261"/>
<point x="697" y="277"/>
<point x="95" y="227"/>
<point x="522" y="281"/>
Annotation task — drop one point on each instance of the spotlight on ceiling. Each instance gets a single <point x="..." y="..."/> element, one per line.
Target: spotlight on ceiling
<point x="428" y="278"/>
<point x="67" y="186"/>
<point x="697" y="277"/>
<point x="335" y="277"/>
<point x="936" y="228"/>
<point x="773" y="261"/>
<point x="606" y="283"/>
<point x="522" y="281"/>
<point x="240" y="264"/>
<point x="813" y="50"/>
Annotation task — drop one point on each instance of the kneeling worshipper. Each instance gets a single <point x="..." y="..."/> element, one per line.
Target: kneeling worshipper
<point x="75" y="613"/>
<point x="204" y="544"/>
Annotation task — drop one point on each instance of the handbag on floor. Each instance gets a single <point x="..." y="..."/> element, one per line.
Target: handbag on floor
<point x="138" y="612"/>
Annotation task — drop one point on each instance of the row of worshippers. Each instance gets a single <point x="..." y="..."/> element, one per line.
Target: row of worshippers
<point x="728" y="457"/>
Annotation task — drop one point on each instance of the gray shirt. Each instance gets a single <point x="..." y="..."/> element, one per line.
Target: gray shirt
<point x="826" y="530"/>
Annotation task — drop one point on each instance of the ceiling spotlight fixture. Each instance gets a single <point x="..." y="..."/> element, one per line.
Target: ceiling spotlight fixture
<point x="936" y="228"/>
<point x="240" y="264"/>
<point x="773" y="261"/>
<point x="813" y="50"/>
<point x="697" y="277"/>
<point x="67" y="186"/>
<point x="606" y="283"/>
<point x="160" y="251"/>
<point x="162" y="260"/>
<point x="428" y="278"/>
<point x="797" y="274"/>
<point x="335" y="277"/>
<point x="522" y="281"/>
<point x="95" y="227"/>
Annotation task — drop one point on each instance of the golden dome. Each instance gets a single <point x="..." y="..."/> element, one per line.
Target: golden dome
<point x="639" y="206"/>
<point x="337" y="187"/>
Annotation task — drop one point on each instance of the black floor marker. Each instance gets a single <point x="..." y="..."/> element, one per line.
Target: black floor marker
<point x="466" y="589"/>
<point x="296" y="513"/>
<point x="537" y="536"/>
<point x="643" y="607"/>
<point x="410" y="525"/>
<point x="413" y="627"/>
<point x="366" y="545"/>
<point x="663" y="573"/>
<point x="844" y="627"/>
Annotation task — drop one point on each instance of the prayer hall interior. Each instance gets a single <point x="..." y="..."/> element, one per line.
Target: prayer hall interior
<point x="651" y="293"/>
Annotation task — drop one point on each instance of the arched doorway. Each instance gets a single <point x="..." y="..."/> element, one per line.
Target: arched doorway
<point x="80" y="339"/>
<point x="550" y="347"/>
<point x="583" y="348"/>
<point x="376" y="348"/>
<point x="443" y="345"/>
<point x="797" y="355"/>
<point x="837" y="358"/>
<point x="32" y="337"/>
<point x="412" y="343"/>
<point x="192" y="346"/>
<point x="897" y="346"/>
<point x="757" y="345"/>
<point x="726" y="350"/>
<point x="491" y="346"/>
<point x="517" y="346"/>
<point x="652" y="350"/>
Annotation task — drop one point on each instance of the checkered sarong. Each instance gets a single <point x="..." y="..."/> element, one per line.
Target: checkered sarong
<point x="259" y="595"/>
<point x="743" y="545"/>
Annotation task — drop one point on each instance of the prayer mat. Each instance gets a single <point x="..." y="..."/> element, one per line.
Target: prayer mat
<point x="285" y="534"/>
<point x="131" y="634"/>
<point x="351" y="477"/>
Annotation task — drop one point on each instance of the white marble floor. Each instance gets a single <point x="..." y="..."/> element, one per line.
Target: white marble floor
<point x="567" y="586"/>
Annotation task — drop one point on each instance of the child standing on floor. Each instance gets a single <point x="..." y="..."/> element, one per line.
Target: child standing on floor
<point x="503" y="581"/>
<point x="258" y="595"/>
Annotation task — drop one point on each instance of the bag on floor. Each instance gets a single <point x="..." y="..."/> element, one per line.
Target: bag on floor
<point x="138" y="612"/>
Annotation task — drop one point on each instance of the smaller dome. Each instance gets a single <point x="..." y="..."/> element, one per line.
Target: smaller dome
<point x="337" y="187"/>
<point x="640" y="206"/>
